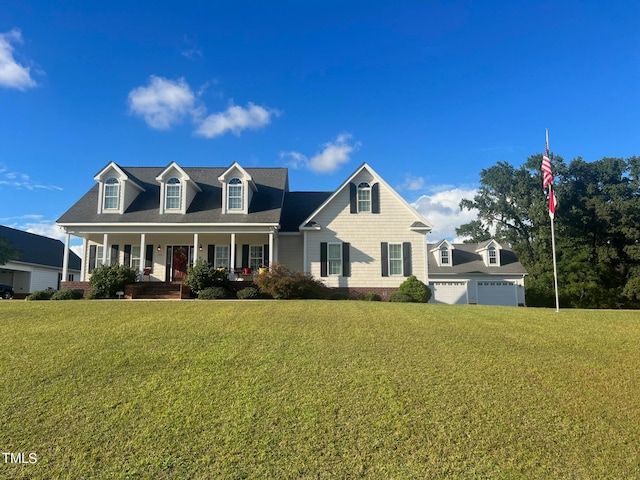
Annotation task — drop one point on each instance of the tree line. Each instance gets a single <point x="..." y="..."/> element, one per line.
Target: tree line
<point x="597" y="228"/>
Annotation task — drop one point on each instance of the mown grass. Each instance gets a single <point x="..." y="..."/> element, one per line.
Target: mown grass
<point x="317" y="389"/>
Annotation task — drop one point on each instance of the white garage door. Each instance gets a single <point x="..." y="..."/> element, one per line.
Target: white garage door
<point x="449" y="292"/>
<point x="497" y="293"/>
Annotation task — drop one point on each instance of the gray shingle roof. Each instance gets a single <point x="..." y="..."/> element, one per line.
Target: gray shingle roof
<point x="467" y="261"/>
<point x="206" y="207"/>
<point x="298" y="206"/>
<point x="38" y="250"/>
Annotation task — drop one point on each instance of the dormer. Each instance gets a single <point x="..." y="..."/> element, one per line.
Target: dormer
<point x="177" y="189"/>
<point x="237" y="189"/>
<point x="443" y="253"/>
<point x="490" y="253"/>
<point x="116" y="189"/>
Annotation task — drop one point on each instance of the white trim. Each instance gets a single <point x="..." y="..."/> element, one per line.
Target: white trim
<point x="381" y="181"/>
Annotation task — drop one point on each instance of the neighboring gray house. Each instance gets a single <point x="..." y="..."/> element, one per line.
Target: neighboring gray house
<point x="361" y="237"/>
<point x="482" y="273"/>
<point x="39" y="264"/>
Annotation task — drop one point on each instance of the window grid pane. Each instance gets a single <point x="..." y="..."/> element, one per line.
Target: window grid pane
<point x="395" y="259"/>
<point x="235" y="197"/>
<point x="173" y="197"/>
<point x="364" y="199"/>
<point x="334" y="258"/>
<point x="135" y="257"/>
<point x="255" y="257"/>
<point x="111" y="196"/>
<point x="222" y="256"/>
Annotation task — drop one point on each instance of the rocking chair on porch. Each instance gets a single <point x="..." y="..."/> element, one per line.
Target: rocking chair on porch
<point x="146" y="273"/>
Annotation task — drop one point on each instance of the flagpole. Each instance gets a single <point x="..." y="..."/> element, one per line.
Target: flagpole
<point x="553" y="250"/>
<point x="548" y="182"/>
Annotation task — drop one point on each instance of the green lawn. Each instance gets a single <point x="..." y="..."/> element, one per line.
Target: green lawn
<point x="317" y="389"/>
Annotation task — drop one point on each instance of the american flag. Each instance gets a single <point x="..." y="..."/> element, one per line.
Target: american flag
<point x="547" y="175"/>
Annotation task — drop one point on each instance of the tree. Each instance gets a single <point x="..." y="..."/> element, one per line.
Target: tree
<point x="7" y="251"/>
<point x="597" y="227"/>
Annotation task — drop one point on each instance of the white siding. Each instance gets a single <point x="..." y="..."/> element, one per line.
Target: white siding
<point x="129" y="194"/>
<point x="365" y="232"/>
<point x="290" y="251"/>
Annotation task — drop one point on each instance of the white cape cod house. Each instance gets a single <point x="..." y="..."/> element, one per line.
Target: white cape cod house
<point x="362" y="237"/>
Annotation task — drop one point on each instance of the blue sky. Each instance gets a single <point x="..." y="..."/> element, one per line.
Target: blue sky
<point x="427" y="92"/>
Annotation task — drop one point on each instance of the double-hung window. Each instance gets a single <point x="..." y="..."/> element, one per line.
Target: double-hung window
<point x="135" y="258"/>
<point x="334" y="258"/>
<point x="493" y="258"/>
<point x="173" y="194"/>
<point x="364" y="197"/>
<point x="395" y="259"/>
<point x="221" y="256"/>
<point x="234" y="194"/>
<point x="255" y="257"/>
<point x="112" y="194"/>
<point x="444" y="255"/>
<point x="99" y="254"/>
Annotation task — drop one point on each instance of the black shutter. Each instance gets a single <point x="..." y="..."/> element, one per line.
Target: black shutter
<point x="245" y="256"/>
<point x="115" y="251"/>
<point x="211" y="254"/>
<point x="384" y="256"/>
<point x="375" y="198"/>
<point x="92" y="258"/>
<point x="323" y="260"/>
<point x="406" y="259"/>
<point x="265" y="255"/>
<point x="346" y="262"/>
<point x="127" y="255"/>
<point x="353" y="197"/>
<point x="148" y="258"/>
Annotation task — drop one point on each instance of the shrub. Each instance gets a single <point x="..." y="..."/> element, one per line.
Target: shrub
<point x="400" y="297"/>
<point x="280" y="282"/>
<point x="214" y="293"/>
<point x="338" y="296"/>
<point x="42" y="294"/>
<point x="67" y="295"/>
<point x="203" y="275"/>
<point x="247" y="293"/>
<point x="372" y="297"/>
<point x="109" y="279"/>
<point x="415" y="289"/>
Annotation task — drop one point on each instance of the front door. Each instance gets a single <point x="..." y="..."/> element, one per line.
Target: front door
<point x="178" y="264"/>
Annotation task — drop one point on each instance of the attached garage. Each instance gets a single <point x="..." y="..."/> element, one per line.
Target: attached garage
<point x="449" y="292"/>
<point x="497" y="293"/>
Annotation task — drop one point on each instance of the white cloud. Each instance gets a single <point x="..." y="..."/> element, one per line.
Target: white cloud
<point x="163" y="102"/>
<point x="333" y="155"/>
<point x="22" y="181"/>
<point x="235" y="119"/>
<point x="442" y="210"/>
<point x="412" y="183"/>
<point x="13" y="74"/>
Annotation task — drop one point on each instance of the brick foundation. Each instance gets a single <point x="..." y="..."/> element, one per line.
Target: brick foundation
<point x="84" y="287"/>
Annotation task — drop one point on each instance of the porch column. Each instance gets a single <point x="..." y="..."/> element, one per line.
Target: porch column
<point x="232" y="265"/>
<point x="305" y="260"/>
<point x="143" y="253"/>
<point x="65" y="258"/>
<point x="196" y="246"/>
<point x="83" y="261"/>
<point x="270" y="249"/>
<point x="105" y="248"/>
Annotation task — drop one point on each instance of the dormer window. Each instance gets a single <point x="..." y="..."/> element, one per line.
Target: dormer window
<point x="173" y="194"/>
<point x="444" y="255"/>
<point x="364" y="197"/>
<point x="234" y="194"/>
<point x="493" y="257"/>
<point x="112" y="194"/>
